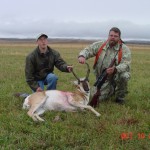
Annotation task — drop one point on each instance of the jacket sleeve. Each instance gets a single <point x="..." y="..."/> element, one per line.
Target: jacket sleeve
<point x="125" y="61"/>
<point x="91" y="50"/>
<point x="60" y="63"/>
<point x="29" y="73"/>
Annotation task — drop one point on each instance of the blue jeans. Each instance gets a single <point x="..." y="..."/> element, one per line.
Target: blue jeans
<point x="50" y="81"/>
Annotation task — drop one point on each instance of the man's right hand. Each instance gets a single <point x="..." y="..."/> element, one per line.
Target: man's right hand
<point x="81" y="59"/>
<point x="39" y="89"/>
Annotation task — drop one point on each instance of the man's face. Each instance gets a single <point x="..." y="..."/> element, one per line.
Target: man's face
<point x="113" y="38"/>
<point x="42" y="42"/>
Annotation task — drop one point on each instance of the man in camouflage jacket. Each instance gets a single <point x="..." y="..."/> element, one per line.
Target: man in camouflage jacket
<point x="40" y="66"/>
<point x="120" y="71"/>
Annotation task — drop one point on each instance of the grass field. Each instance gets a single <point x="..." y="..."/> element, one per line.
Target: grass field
<point x="125" y="127"/>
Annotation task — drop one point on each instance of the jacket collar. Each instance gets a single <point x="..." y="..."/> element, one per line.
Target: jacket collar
<point x="116" y="47"/>
<point x="41" y="54"/>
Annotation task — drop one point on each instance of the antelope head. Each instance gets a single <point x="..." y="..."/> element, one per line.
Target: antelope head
<point x="82" y="84"/>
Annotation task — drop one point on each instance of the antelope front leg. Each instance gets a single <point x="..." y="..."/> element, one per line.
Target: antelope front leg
<point x="93" y="110"/>
<point x="87" y="107"/>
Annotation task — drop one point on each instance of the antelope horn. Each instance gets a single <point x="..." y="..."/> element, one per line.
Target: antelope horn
<point x="88" y="71"/>
<point x="75" y="76"/>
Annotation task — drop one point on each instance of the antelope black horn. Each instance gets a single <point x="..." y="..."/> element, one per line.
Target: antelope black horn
<point x="75" y="76"/>
<point x="88" y="71"/>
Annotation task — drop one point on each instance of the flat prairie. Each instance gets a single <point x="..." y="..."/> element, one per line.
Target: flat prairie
<point x="120" y="127"/>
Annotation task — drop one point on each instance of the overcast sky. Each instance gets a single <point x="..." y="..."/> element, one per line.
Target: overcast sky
<point x="74" y="18"/>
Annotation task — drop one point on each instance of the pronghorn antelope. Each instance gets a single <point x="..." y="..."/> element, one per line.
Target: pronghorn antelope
<point x="39" y="102"/>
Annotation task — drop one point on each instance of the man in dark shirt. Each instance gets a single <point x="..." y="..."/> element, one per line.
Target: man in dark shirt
<point x="40" y="66"/>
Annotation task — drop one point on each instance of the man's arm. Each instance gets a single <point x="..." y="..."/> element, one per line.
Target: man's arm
<point x="89" y="52"/>
<point x="60" y="63"/>
<point x="29" y="70"/>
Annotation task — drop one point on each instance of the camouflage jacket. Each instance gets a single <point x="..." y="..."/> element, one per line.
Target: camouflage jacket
<point x="38" y="65"/>
<point x="107" y="55"/>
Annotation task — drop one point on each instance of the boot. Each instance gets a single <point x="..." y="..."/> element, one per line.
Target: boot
<point x="120" y="100"/>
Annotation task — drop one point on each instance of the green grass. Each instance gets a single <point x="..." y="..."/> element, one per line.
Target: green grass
<point x="119" y="127"/>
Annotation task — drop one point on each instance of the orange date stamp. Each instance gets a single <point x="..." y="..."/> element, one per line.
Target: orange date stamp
<point x="130" y="135"/>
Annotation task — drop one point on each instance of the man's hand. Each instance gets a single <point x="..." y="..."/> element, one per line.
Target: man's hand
<point x="69" y="68"/>
<point x="81" y="59"/>
<point x="111" y="70"/>
<point x="39" y="89"/>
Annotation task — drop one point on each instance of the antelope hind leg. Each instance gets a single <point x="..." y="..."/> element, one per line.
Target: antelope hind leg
<point x="31" y="113"/>
<point x="38" y="118"/>
<point x="35" y="107"/>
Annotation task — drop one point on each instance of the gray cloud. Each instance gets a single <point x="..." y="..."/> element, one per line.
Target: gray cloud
<point x="79" y="18"/>
<point x="30" y="28"/>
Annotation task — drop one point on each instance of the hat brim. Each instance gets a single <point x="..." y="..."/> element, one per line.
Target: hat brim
<point x="42" y="35"/>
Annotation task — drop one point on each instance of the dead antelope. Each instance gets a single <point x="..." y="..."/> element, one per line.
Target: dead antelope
<point x="39" y="102"/>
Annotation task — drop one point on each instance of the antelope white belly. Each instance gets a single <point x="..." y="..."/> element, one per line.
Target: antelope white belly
<point x="58" y="100"/>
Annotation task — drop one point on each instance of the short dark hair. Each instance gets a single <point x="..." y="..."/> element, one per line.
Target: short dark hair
<point x="115" y="29"/>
